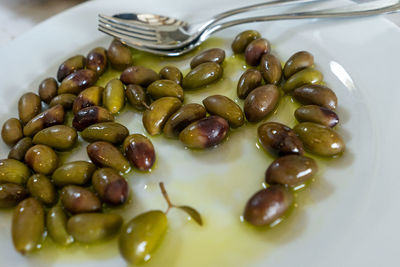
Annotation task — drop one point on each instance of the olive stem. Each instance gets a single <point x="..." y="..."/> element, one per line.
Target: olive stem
<point x="165" y="195"/>
<point x="145" y="105"/>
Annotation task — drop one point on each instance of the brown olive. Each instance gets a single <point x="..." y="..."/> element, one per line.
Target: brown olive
<point x="11" y="132"/>
<point x="77" y="199"/>
<point x="65" y="100"/>
<point x="271" y="69"/>
<point x="313" y="94"/>
<point x="216" y="55"/>
<point x="171" y="73"/>
<point x="48" y="89"/>
<point x="255" y="50"/>
<point x="138" y="75"/>
<point x="91" y="115"/>
<point x="140" y="151"/>
<point x="96" y="60"/>
<point x="110" y="186"/>
<point x="50" y="117"/>
<point x="29" y="105"/>
<point x="260" y="102"/>
<point x="11" y="195"/>
<point x="317" y="114"/>
<point x="77" y="81"/>
<point x="18" y="151"/>
<point x="297" y="62"/>
<point x="137" y="97"/>
<point x="42" y="159"/>
<point x="105" y="154"/>
<point x="119" y="55"/>
<point x="69" y="66"/>
<point x="243" y="39"/>
<point x="91" y="96"/>
<point x="226" y="108"/>
<point x="250" y="80"/>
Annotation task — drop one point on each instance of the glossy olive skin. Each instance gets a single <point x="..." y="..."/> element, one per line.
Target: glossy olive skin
<point x="11" y="195"/>
<point x="313" y="94"/>
<point x="171" y="73"/>
<point x="119" y="55"/>
<point x="29" y="105"/>
<point x="271" y="69"/>
<point x="96" y="60"/>
<point x="157" y="115"/>
<point x="250" y="80"/>
<point x="77" y="199"/>
<point x="11" y="132"/>
<point x="278" y="139"/>
<point x="216" y="55"/>
<point x="255" y="50"/>
<point x="77" y="81"/>
<point x="146" y="231"/>
<point x="291" y="170"/>
<point x="205" y="133"/>
<point x="27" y="226"/>
<point x="69" y="66"/>
<point x="261" y="102"/>
<point x="317" y="114"/>
<point x="297" y="62"/>
<point x="138" y="75"/>
<point x="114" y="96"/>
<point x="267" y="205"/>
<point x="184" y="116"/>
<point x="91" y="115"/>
<point x="48" y="89"/>
<point x="137" y="96"/>
<point x="111" y="132"/>
<point x="111" y="187"/>
<point x="243" y="39"/>
<point x="56" y="223"/>
<point x="65" y="100"/>
<point x="42" y="159"/>
<point x="40" y="187"/>
<point x="140" y="151"/>
<point x="18" y="151"/>
<point x="59" y="137"/>
<point x="319" y="139"/>
<point x="50" y="117"/>
<point x="13" y="171"/>
<point x="163" y="88"/>
<point x="202" y="75"/>
<point x="303" y="77"/>
<point x="104" y="154"/>
<point x="226" y="108"/>
<point x="91" y="96"/>
<point x="75" y="173"/>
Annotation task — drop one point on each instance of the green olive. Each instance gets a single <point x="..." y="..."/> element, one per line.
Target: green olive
<point x="171" y="73"/>
<point x="297" y="62"/>
<point x="65" y="100"/>
<point x="59" y="137"/>
<point x="140" y="151"/>
<point x="48" y="89"/>
<point x="91" y="96"/>
<point x="27" y="226"/>
<point x="13" y="171"/>
<point x="255" y="50"/>
<point x="202" y="75"/>
<point x="50" y="117"/>
<point x="271" y="69"/>
<point x="40" y="187"/>
<point x="111" y="132"/>
<point x="104" y="154"/>
<point x="163" y="88"/>
<point x="226" y="108"/>
<point x="137" y="96"/>
<point x="42" y="159"/>
<point x="250" y="80"/>
<point x="114" y="96"/>
<point x="18" y="151"/>
<point x="119" y="55"/>
<point x="243" y="39"/>
<point x="91" y="115"/>
<point x="69" y="66"/>
<point x="141" y="236"/>
<point x="56" y="223"/>
<point x="139" y="75"/>
<point x="303" y="77"/>
<point x="313" y="94"/>
<point x="11" y="195"/>
<point x="77" y="81"/>
<point x="96" y="60"/>
<point x="75" y="172"/>
<point x="111" y="187"/>
<point x="216" y="55"/>
<point x="77" y="199"/>
<point x="157" y="115"/>
<point x="317" y="114"/>
<point x="29" y="105"/>
<point x="261" y="102"/>
<point x="11" y="132"/>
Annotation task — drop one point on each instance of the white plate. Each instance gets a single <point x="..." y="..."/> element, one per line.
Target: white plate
<point x="349" y="215"/>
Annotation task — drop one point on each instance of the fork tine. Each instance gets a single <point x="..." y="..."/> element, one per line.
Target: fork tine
<point x="131" y="24"/>
<point x="130" y="34"/>
<point x="127" y="29"/>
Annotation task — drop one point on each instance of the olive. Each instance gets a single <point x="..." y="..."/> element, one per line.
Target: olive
<point x="11" y="132"/>
<point x="69" y="66"/>
<point x="279" y="139"/>
<point x="271" y="69"/>
<point x="48" y="89"/>
<point x="202" y="75"/>
<point x="137" y="96"/>
<point x="260" y="102"/>
<point x="303" y="77"/>
<point x="313" y="94"/>
<point x="114" y="96"/>
<point x="216" y="55"/>
<point x="157" y="115"/>
<point x="291" y="170"/>
<point x="65" y="100"/>
<point x="13" y="171"/>
<point x="267" y="205"/>
<point x="77" y="199"/>
<point x="56" y="223"/>
<point x="317" y="114"/>
<point x="243" y="39"/>
<point x="225" y="107"/>
<point x="141" y="235"/>
<point x="91" y="96"/>
<point x="59" y="137"/>
<point x="27" y="227"/>
<point x="163" y="88"/>
<point x="91" y="115"/>
<point x="297" y="62"/>
<point x="77" y="81"/>
<point x="18" y="151"/>
<point x="319" y="139"/>
<point x="171" y="73"/>
<point x="182" y="118"/>
<point x="205" y="133"/>
<point x="40" y="187"/>
<point x="255" y="50"/>
<point x="50" y="117"/>
<point x="11" y="195"/>
<point x="250" y="80"/>
<point x="140" y="151"/>
<point x="139" y="75"/>
<point x="94" y="227"/>
<point x="42" y="159"/>
<point x="29" y="105"/>
<point x="111" y="132"/>
<point x="75" y="172"/>
<point x="119" y="55"/>
<point x="104" y="154"/>
<point x="111" y="187"/>
<point x="96" y="60"/>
